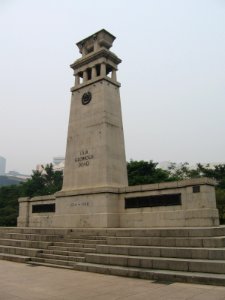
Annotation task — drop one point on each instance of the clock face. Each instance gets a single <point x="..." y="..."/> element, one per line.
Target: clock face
<point x="86" y="98"/>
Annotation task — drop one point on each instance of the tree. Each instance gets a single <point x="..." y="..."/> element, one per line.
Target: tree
<point x="45" y="182"/>
<point x="183" y="171"/>
<point x="144" y="172"/>
<point x="217" y="172"/>
<point x="9" y="204"/>
<point x="220" y="201"/>
<point x="41" y="183"/>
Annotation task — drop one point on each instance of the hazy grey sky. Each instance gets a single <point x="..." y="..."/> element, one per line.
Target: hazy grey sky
<point x="172" y="76"/>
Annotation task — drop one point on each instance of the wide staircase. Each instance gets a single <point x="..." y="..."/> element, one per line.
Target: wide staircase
<point x="195" y="255"/>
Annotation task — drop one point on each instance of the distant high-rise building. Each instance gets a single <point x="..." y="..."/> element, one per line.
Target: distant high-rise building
<point x="58" y="164"/>
<point x="2" y="165"/>
<point x="58" y="159"/>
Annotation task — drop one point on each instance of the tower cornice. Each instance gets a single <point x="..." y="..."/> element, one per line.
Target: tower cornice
<point x="91" y="57"/>
<point x="93" y="81"/>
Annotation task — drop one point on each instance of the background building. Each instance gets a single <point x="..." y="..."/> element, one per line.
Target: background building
<point x="58" y="159"/>
<point x="2" y="165"/>
<point x="58" y="164"/>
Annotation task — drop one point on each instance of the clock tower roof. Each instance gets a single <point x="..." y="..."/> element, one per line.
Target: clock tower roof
<point x="100" y="39"/>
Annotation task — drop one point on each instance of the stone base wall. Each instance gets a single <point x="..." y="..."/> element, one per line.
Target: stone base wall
<point x="29" y="219"/>
<point x="96" y="209"/>
<point x="187" y="203"/>
<point x="198" y="205"/>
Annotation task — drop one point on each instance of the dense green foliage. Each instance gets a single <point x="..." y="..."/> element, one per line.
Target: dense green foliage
<point x="220" y="200"/>
<point x="184" y="171"/>
<point x="41" y="183"/>
<point x="144" y="172"/>
<point x="139" y="172"/>
<point x="9" y="204"/>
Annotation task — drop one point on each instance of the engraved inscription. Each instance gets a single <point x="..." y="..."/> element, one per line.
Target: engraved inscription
<point x="79" y="204"/>
<point x="84" y="158"/>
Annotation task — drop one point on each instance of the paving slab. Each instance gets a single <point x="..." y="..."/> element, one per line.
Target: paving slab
<point x="25" y="282"/>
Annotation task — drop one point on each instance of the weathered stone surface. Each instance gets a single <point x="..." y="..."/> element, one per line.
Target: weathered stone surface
<point x="181" y="256"/>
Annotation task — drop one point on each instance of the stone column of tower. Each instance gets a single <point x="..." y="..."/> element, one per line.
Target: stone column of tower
<point x="95" y="154"/>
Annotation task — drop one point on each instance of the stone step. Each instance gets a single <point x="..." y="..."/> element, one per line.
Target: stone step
<point x="150" y="274"/>
<point x="159" y="232"/>
<point x="30" y="230"/>
<point x="214" y="242"/>
<point x="69" y="253"/>
<point x="182" y="253"/>
<point x="25" y="244"/>
<point x="15" y="258"/>
<point x="75" y="248"/>
<point x="61" y="257"/>
<point x="179" y="252"/>
<point x="33" y="263"/>
<point x="19" y="251"/>
<point x="155" y="232"/>
<point x="92" y="236"/>
<point x="174" y="264"/>
<point x="31" y="237"/>
<point x="72" y="249"/>
<point x="53" y="261"/>
<point x="79" y="241"/>
<point x="171" y="232"/>
<point x="68" y="245"/>
<point x="125" y="232"/>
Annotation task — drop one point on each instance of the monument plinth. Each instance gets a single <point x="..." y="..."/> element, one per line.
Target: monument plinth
<point x="95" y="190"/>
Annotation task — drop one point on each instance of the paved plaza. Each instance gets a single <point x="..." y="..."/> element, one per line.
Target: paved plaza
<point x="23" y="282"/>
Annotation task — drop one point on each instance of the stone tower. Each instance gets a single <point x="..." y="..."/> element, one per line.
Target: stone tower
<point x="95" y="155"/>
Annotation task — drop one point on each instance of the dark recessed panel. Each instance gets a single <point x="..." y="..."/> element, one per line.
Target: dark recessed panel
<point x="43" y="208"/>
<point x="152" y="201"/>
<point x="196" y="189"/>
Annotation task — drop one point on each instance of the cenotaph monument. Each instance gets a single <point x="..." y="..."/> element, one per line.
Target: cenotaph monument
<point x="95" y="165"/>
<point x="95" y="192"/>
